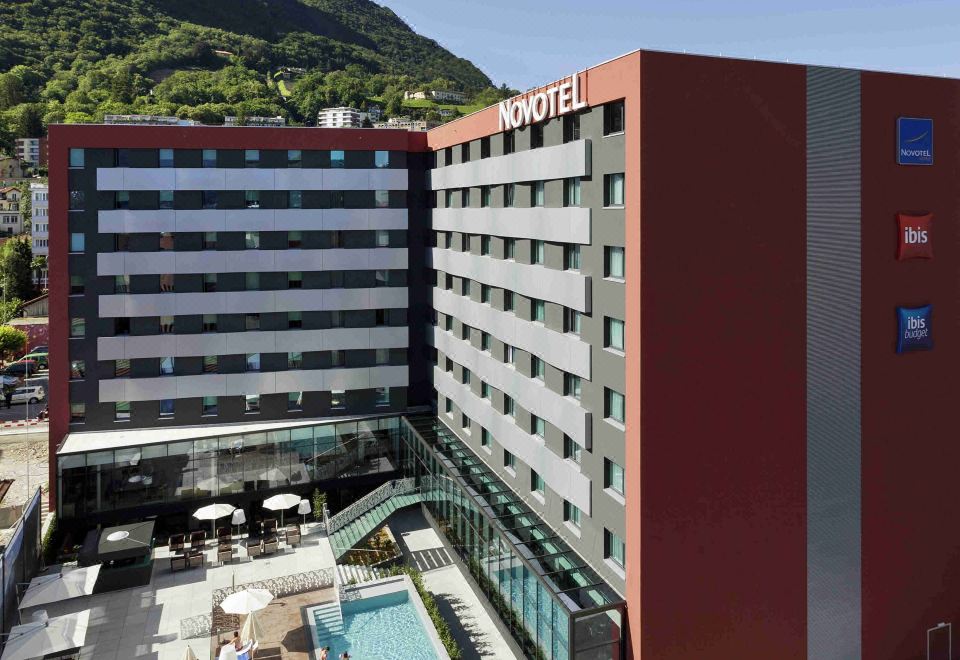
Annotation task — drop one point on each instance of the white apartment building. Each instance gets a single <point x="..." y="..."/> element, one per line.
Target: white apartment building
<point x="32" y="151"/>
<point x="342" y="117"/>
<point x="40" y="227"/>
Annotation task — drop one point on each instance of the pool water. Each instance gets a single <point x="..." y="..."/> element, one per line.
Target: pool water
<point x="381" y="628"/>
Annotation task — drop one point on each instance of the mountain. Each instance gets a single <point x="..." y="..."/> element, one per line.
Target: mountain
<point x="75" y="60"/>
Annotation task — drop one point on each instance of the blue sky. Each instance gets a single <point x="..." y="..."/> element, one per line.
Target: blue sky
<point x="527" y="42"/>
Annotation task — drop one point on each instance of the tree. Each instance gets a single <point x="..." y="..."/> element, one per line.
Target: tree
<point x="11" y="91"/>
<point x="10" y="309"/>
<point x="16" y="277"/>
<point x="12" y="341"/>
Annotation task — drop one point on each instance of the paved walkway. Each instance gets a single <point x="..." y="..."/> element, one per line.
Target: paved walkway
<point x="469" y="622"/>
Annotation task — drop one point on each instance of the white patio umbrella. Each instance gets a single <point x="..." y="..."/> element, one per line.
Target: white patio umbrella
<point x="211" y="512"/>
<point x="39" y="638"/>
<point x="246" y="601"/>
<point x="63" y="586"/>
<point x="281" y="502"/>
<point x="251" y="630"/>
<point x="188" y="654"/>
<point x="228" y="652"/>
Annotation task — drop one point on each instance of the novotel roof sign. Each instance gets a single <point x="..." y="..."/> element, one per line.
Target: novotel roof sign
<point x="556" y="100"/>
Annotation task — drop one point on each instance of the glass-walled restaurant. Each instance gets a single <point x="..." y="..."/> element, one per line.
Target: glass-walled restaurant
<point x="164" y="473"/>
<point x="554" y="604"/>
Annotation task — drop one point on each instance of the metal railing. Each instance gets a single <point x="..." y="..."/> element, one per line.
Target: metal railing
<point x="370" y="501"/>
<point x="337" y="587"/>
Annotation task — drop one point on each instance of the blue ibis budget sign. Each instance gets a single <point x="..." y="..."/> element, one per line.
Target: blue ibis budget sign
<point x="914" y="141"/>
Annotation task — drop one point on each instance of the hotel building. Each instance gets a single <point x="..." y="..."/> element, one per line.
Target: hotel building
<point x="634" y="332"/>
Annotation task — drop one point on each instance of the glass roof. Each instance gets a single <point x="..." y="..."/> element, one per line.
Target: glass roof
<point x="562" y="570"/>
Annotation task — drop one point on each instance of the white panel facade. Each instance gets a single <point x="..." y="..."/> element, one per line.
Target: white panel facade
<point x="569" y="224"/>
<point x="564" y="287"/>
<point x="123" y="221"/>
<point x="543" y="164"/>
<point x="239" y="178"/>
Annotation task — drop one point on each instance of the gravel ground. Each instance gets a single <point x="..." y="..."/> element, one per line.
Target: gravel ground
<point x="18" y="452"/>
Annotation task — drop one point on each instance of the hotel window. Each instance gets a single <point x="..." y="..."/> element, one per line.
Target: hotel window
<point x="464" y="287"/>
<point x="337" y="199"/>
<point x="209" y="199"/>
<point x="613" y="189"/>
<point x="485" y="147"/>
<point x="382" y="396"/>
<point x="209" y="406"/>
<point x="447" y="239"/>
<point x="448" y="323"/>
<point x="78" y="369"/>
<point x="165" y="157"/>
<point x="253" y="362"/>
<point x="571" y="385"/>
<point x="613" y="333"/>
<point x="294" y="320"/>
<point x="448" y="199"/>
<point x="614" y="548"/>
<point x="509" y="407"/>
<point x="336" y="238"/>
<point x="210" y="240"/>
<point x="381" y="199"/>
<point x="166" y="407"/>
<point x="294" y="240"/>
<point x="571" y="320"/>
<point x="571" y="128"/>
<point x="509" y="248"/>
<point x="209" y="282"/>
<point x="77" y="242"/>
<point x="337" y="358"/>
<point x="209" y="323"/>
<point x="536" y="482"/>
<point x="76" y="159"/>
<point x="76" y="285"/>
<point x="336" y="318"/>
<point x="571" y="257"/>
<point x="538" y="310"/>
<point x="537" y="250"/>
<point x="251" y="240"/>
<point x="448" y="156"/>
<point x="209" y="157"/>
<point x="465" y="376"/>
<point x="121" y="326"/>
<point x="166" y="366"/>
<point x="165" y="243"/>
<point x="465" y="152"/>
<point x="382" y="238"/>
<point x="536" y="136"/>
<point x="613" y="477"/>
<point x="252" y="281"/>
<point x="448" y="407"/>
<point x="338" y="398"/>
<point x="78" y="413"/>
<point x="381" y="159"/>
<point x="537" y="426"/>
<point x="571" y="513"/>
<point x="485" y="341"/>
<point x="381" y="356"/>
<point x="251" y="157"/>
<point x="78" y="328"/>
<point x="614" y="406"/>
<point x="165" y="199"/>
<point x="294" y="199"/>
<point x="613" y="262"/>
<point x="509" y="460"/>
<point x="167" y="325"/>
<point x="509" y="142"/>
<point x="294" y="401"/>
<point x="537" y="368"/>
<point x="508" y="301"/>
<point x="211" y="364"/>
<point x="448" y="365"/>
<point x="121" y="158"/>
<point x="571" y="449"/>
<point x="76" y="200"/>
<point x="448" y="281"/>
<point x="337" y="159"/>
<point x="571" y="191"/>
<point x="121" y="411"/>
<point x="485" y="390"/>
<point x="536" y="194"/>
<point x="252" y="199"/>
<point x="465" y="197"/>
<point x="251" y="403"/>
<point x="465" y="422"/>
<point x="380" y="317"/>
<point x="465" y="331"/>
<point x="484" y="438"/>
<point x="121" y="368"/>
<point x="509" y="190"/>
<point x="251" y="321"/>
<point x="294" y="280"/>
<point x="613" y="119"/>
<point x="295" y="360"/>
<point x="485" y="245"/>
<point x="484" y="196"/>
<point x="294" y="158"/>
<point x="485" y="293"/>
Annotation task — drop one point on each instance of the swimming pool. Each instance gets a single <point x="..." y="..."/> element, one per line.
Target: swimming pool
<point x="383" y="623"/>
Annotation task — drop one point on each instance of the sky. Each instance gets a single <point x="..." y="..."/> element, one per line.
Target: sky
<point x="524" y="43"/>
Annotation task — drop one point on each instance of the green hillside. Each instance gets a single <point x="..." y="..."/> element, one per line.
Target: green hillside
<point x="76" y="60"/>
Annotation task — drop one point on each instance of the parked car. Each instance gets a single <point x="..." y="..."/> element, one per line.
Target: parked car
<point x="40" y="349"/>
<point x="40" y="358"/>
<point x="22" y="368"/>
<point x="32" y="394"/>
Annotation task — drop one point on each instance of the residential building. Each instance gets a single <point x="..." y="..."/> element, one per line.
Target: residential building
<point x="407" y="124"/>
<point x="149" y="120"/>
<point x="341" y="117"/>
<point x="11" y="213"/>
<point x="438" y="95"/>
<point x="10" y="168"/>
<point x="665" y="385"/>
<point x="254" y="121"/>
<point x="32" y="151"/>
<point x="40" y="227"/>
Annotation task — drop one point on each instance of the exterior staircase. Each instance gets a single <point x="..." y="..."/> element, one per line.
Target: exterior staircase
<point x="329" y="622"/>
<point x="352" y="526"/>
<point x="349" y="574"/>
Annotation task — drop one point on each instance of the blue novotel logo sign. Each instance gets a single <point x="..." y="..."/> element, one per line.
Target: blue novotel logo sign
<point x="914" y="141"/>
<point x="915" y="327"/>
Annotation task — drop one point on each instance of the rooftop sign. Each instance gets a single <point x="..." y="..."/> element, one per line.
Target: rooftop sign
<point x="559" y="99"/>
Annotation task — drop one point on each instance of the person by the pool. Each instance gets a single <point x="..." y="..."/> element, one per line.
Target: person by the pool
<point x="237" y="644"/>
<point x="325" y="653"/>
<point x="345" y="656"/>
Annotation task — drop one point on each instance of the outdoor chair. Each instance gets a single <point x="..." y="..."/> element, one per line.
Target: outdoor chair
<point x="224" y="534"/>
<point x="224" y="553"/>
<point x="293" y="535"/>
<point x="176" y="543"/>
<point x="253" y="548"/>
<point x="178" y="563"/>
<point x="197" y="539"/>
<point x="196" y="559"/>
<point x="270" y="545"/>
<point x="270" y="526"/>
